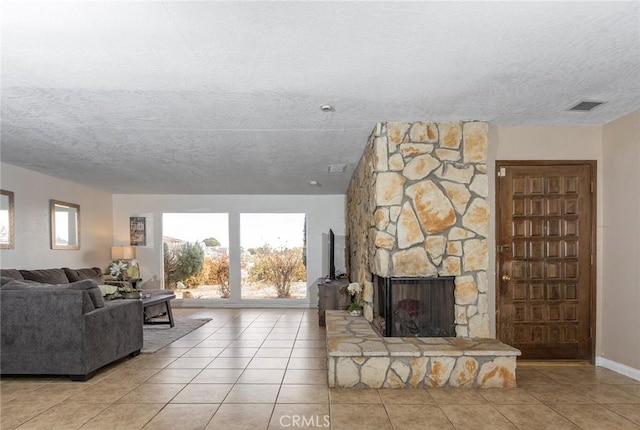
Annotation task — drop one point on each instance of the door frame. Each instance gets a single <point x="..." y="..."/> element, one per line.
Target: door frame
<point x="593" y="165"/>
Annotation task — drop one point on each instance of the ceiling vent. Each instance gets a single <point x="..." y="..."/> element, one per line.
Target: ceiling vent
<point x="585" y="106"/>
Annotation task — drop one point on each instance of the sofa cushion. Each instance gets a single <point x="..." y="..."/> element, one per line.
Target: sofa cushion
<point x="74" y="275"/>
<point x="90" y="286"/>
<point x="46" y="276"/>
<point x="11" y="273"/>
<point x="22" y="284"/>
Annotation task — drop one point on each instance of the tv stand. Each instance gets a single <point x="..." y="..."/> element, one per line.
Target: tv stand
<point x="332" y="295"/>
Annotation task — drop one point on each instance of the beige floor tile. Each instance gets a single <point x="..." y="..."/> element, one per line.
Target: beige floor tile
<point x="126" y="416"/>
<point x="530" y="376"/>
<point x="359" y="417"/>
<point x="556" y="393"/>
<point x="12" y="390"/>
<point x="243" y="342"/>
<point x="273" y="352"/>
<point x="309" y="352"/>
<point x="476" y="417"/>
<point x="349" y="395"/>
<point x="101" y="393"/>
<point x="456" y="396"/>
<point x="152" y="393"/>
<point x="203" y="393"/>
<point x="417" y="417"/>
<point x="268" y="363"/>
<point x="310" y="416"/>
<point x="602" y="393"/>
<point x="174" y="376"/>
<point x="229" y="363"/>
<point x="171" y="352"/>
<point x="305" y="376"/>
<point x="238" y="352"/>
<point x="130" y="377"/>
<point x="303" y="394"/>
<point x="183" y="417"/>
<point x="241" y="417"/>
<point x="508" y="396"/>
<point x="151" y="362"/>
<point x="606" y="376"/>
<point x="217" y="376"/>
<point x="405" y="396"/>
<point x="52" y="392"/>
<point x="282" y="335"/>
<point x="307" y="363"/>
<point x="214" y="343"/>
<point x="253" y="393"/>
<point x="12" y="414"/>
<point x="262" y="376"/>
<point x="631" y="389"/>
<point x="310" y="344"/>
<point x="203" y="352"/>
<point x="535" y="417"/>
<point x="278" y="343"/>
<point x="190" y="363"/>
<point x="594" y="417"/>
<point x="184" y="343"/>
<point x="628" y="411"/>
<point x="66" y="416"/>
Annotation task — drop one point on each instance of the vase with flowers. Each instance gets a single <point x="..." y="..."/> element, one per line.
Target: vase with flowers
<point x="118" y="270"/>
<point x="355" y="291"/>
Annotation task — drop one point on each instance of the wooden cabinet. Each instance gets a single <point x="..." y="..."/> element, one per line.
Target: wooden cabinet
<point x="332" y="295"/>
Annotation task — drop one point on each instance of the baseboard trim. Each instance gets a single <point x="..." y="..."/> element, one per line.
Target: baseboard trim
<point x="618" y="367"/>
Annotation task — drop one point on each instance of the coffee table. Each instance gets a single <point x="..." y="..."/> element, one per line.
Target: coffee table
<point x="158" y="299"/>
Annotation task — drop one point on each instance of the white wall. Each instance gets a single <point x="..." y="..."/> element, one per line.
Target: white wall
<point x="323" y="213"/>
<point x="620" y="331"/>
<point x="547" y="143"/>
<point x="32" y="236"/>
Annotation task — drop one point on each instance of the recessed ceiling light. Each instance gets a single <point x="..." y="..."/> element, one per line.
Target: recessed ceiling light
<point x="337" y="168"/>
<point x="327" y="108"/>
<point x="585" y="106"/>
<point x="314" y="183"/>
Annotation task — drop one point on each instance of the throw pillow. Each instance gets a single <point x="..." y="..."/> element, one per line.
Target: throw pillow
<point x="46" y="276"/>
<point x="10" y="273"/>
<point x="91" y="287"/>
<point x="74" y="275"/>
<point x="109" y="292"/>
<point x="22" y="284"/>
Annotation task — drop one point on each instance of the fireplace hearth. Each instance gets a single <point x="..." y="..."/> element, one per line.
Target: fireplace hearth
<point x="415" y="306"/>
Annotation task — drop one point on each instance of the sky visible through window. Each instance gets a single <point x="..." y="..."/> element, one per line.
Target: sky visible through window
<point x="256" y="229"/>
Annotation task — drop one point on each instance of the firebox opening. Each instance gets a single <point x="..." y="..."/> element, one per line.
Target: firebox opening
<point x="414" y="306"/>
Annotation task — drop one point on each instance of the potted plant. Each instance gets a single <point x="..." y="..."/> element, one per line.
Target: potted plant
<point x="355" y="307"/>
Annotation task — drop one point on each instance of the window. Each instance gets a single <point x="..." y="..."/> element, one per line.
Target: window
<point x="196" y="255"/>
<point x="273" y="256"/>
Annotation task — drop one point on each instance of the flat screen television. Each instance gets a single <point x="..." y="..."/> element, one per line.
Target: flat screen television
<point x="332" y="261"/>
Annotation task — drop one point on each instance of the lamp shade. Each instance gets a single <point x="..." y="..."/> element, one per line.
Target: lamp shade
<point x="123" y="253"/>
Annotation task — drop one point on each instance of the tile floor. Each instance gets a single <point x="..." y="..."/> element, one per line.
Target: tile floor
<point x="265" y="369"/>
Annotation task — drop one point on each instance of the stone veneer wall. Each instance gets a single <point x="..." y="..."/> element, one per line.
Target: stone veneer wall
<point x="416" y="206"/>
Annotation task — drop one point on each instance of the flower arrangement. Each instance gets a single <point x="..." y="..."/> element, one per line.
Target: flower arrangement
<point x="118" y="270"/>
<point x="355" y="291"/>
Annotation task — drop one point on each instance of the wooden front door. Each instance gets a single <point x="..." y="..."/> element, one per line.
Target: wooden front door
<point x="546" y="247"/>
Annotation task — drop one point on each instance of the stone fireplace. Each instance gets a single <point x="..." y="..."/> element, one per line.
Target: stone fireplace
<point x="417" y="208"/>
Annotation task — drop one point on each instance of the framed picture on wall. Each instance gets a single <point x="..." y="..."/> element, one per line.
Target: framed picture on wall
<point x="137" y="231"/>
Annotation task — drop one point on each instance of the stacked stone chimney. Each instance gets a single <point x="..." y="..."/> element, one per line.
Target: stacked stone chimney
<point x="416" y="206"/>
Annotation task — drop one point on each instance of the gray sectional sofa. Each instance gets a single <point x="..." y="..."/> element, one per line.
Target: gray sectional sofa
<point x="56" y="322"/>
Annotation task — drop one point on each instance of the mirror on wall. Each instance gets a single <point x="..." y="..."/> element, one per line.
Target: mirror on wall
<point x="65" y="225"/>
<point x="7" y="232"/>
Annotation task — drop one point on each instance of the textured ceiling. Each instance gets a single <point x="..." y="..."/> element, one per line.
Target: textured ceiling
<point x="223" y="97"/>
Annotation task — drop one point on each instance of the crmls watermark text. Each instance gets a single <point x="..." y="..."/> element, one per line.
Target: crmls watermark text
<point x="303" y="421"/>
